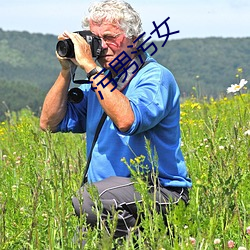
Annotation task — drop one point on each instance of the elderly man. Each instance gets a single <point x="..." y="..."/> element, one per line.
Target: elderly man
<point x="143" y="106"/>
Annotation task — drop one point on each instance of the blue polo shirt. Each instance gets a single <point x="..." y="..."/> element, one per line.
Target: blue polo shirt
<point x="154" y="98"/>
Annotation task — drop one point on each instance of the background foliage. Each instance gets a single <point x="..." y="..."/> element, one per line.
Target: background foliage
<point x="40" y="172"/>
<point x="28" y="66"/>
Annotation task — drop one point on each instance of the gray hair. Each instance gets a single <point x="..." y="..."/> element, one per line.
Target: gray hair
<point x="117" y="12"/>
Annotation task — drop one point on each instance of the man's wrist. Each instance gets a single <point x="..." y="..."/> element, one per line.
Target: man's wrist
<point x="94" y="72"/>
<point x="65" y="73"/>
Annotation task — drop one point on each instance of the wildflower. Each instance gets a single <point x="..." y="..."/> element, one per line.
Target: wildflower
<point x="45" y="216"/>
<point x="216" y="241"/>
<point x="240" y="70"/>
<point x="230" y="244"/>
<point x="247" y="133"/>
<point x="192" y="240"/>
<point x="242" y="248"/>
<point x="22" y="210"/>
<point x="14" y="188"/>
<point x="221" y="147"/>
<point x="198" y="182"/>
<point x="132" y="162"/>
<point x="248" y="230"/>
<point x="137" y="159"/>
<point x="195" y="106"/>
<point x="237" y="87"/>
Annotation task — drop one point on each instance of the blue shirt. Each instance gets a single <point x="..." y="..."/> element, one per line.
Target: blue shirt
<point x="154" y="97"/>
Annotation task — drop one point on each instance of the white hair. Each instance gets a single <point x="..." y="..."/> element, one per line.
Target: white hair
<point x="117" y="12"/>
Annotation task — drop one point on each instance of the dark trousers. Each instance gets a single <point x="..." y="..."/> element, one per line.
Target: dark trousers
<point x="119" y="194"/>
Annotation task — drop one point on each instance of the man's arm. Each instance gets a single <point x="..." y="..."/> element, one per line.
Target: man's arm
<point x="55" y="103"/>
<point x="115" y="104"/>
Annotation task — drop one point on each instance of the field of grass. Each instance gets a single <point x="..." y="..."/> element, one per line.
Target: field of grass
<point x="40" y="172"/>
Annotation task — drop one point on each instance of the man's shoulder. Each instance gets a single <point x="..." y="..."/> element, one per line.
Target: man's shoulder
<point x="154" y="68"/>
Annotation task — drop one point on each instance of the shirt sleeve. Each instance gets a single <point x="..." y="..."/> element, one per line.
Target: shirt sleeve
<point x="154" y="96"/>
<point x="75" y="117"/>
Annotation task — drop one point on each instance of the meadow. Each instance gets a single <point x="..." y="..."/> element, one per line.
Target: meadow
<point x="40" y="172"/>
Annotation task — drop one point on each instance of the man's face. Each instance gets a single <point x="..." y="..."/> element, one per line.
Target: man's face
<point x="113" y="42"/>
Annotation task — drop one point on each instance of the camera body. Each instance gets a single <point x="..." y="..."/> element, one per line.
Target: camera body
<point x="65" y="48"/>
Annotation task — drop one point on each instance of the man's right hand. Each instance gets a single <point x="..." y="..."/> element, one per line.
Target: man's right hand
<point x="66" y="63"/>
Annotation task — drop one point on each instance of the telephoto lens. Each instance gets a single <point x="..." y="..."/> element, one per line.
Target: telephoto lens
<point x="65" y="48"/>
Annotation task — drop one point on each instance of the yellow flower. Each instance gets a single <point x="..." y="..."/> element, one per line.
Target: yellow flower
<point x="195" y="105"/>
<point x="240" y="70"/>
<point x="138" y="160"/>
<point x="132" y="162"/>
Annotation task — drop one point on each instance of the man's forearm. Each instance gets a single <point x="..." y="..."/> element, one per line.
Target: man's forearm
<point x="115" y="104"/>
<point x="55" y="103"/>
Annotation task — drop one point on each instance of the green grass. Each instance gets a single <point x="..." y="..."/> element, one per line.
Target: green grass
<point x="40" y="172"/>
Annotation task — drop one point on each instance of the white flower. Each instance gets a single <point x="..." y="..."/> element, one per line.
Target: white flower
<point x="192" y="240"/>
<point x="221" y="147"/>
<point x="217" y="241"/>
<point x="242" y="248"/>
<point x="237" y="87"/>
<point x="248" y="230"/>
<point x="246" y="133"/>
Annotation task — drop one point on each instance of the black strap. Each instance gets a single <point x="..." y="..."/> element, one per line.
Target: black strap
<point x="99" y="127"/>
<point x="97" y="132"/>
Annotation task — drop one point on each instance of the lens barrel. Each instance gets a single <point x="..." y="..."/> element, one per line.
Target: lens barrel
<point x="65" y="48"/>
<point x="75" y="95"/>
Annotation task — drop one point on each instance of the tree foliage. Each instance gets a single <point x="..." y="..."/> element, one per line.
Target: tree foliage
<point x="205" y="67"/>
<point x="211" y="63"/>
<point x="16" y="95"/>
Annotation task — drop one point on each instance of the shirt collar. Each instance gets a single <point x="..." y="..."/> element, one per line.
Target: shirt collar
<point x="124" y="78"/>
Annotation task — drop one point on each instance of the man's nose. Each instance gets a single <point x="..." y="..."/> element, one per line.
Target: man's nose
<point x="104" y="44"/>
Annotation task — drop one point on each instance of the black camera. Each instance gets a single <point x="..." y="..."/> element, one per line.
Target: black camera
<point x="65" y="48"/>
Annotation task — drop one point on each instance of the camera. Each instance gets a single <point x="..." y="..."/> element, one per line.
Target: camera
<point x="65" y="48"/>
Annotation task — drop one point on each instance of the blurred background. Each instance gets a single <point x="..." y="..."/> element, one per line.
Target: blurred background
<point x="194" y="18"/>
<point x="210" y="52"/>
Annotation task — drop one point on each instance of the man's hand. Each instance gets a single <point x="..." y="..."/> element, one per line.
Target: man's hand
<point x="66" y="63"/>
<point x="83" y="54"/>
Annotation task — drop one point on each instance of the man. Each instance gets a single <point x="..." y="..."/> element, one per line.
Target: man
<point x="144" y="106"/>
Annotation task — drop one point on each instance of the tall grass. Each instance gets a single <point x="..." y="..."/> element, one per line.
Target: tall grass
<point x="40" y="172"/>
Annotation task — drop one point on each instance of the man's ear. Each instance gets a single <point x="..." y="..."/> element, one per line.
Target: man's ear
<point x="134" y="44"/>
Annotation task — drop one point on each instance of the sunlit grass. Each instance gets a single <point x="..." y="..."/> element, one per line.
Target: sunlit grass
<point x="40" y="172"/>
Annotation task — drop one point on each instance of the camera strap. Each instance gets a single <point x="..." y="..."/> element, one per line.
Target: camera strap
<point x="98" y="129"/>
<point x="97" y="132"/>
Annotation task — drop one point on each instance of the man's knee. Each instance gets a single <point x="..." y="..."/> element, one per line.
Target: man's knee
<point x="84" y="205"/>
